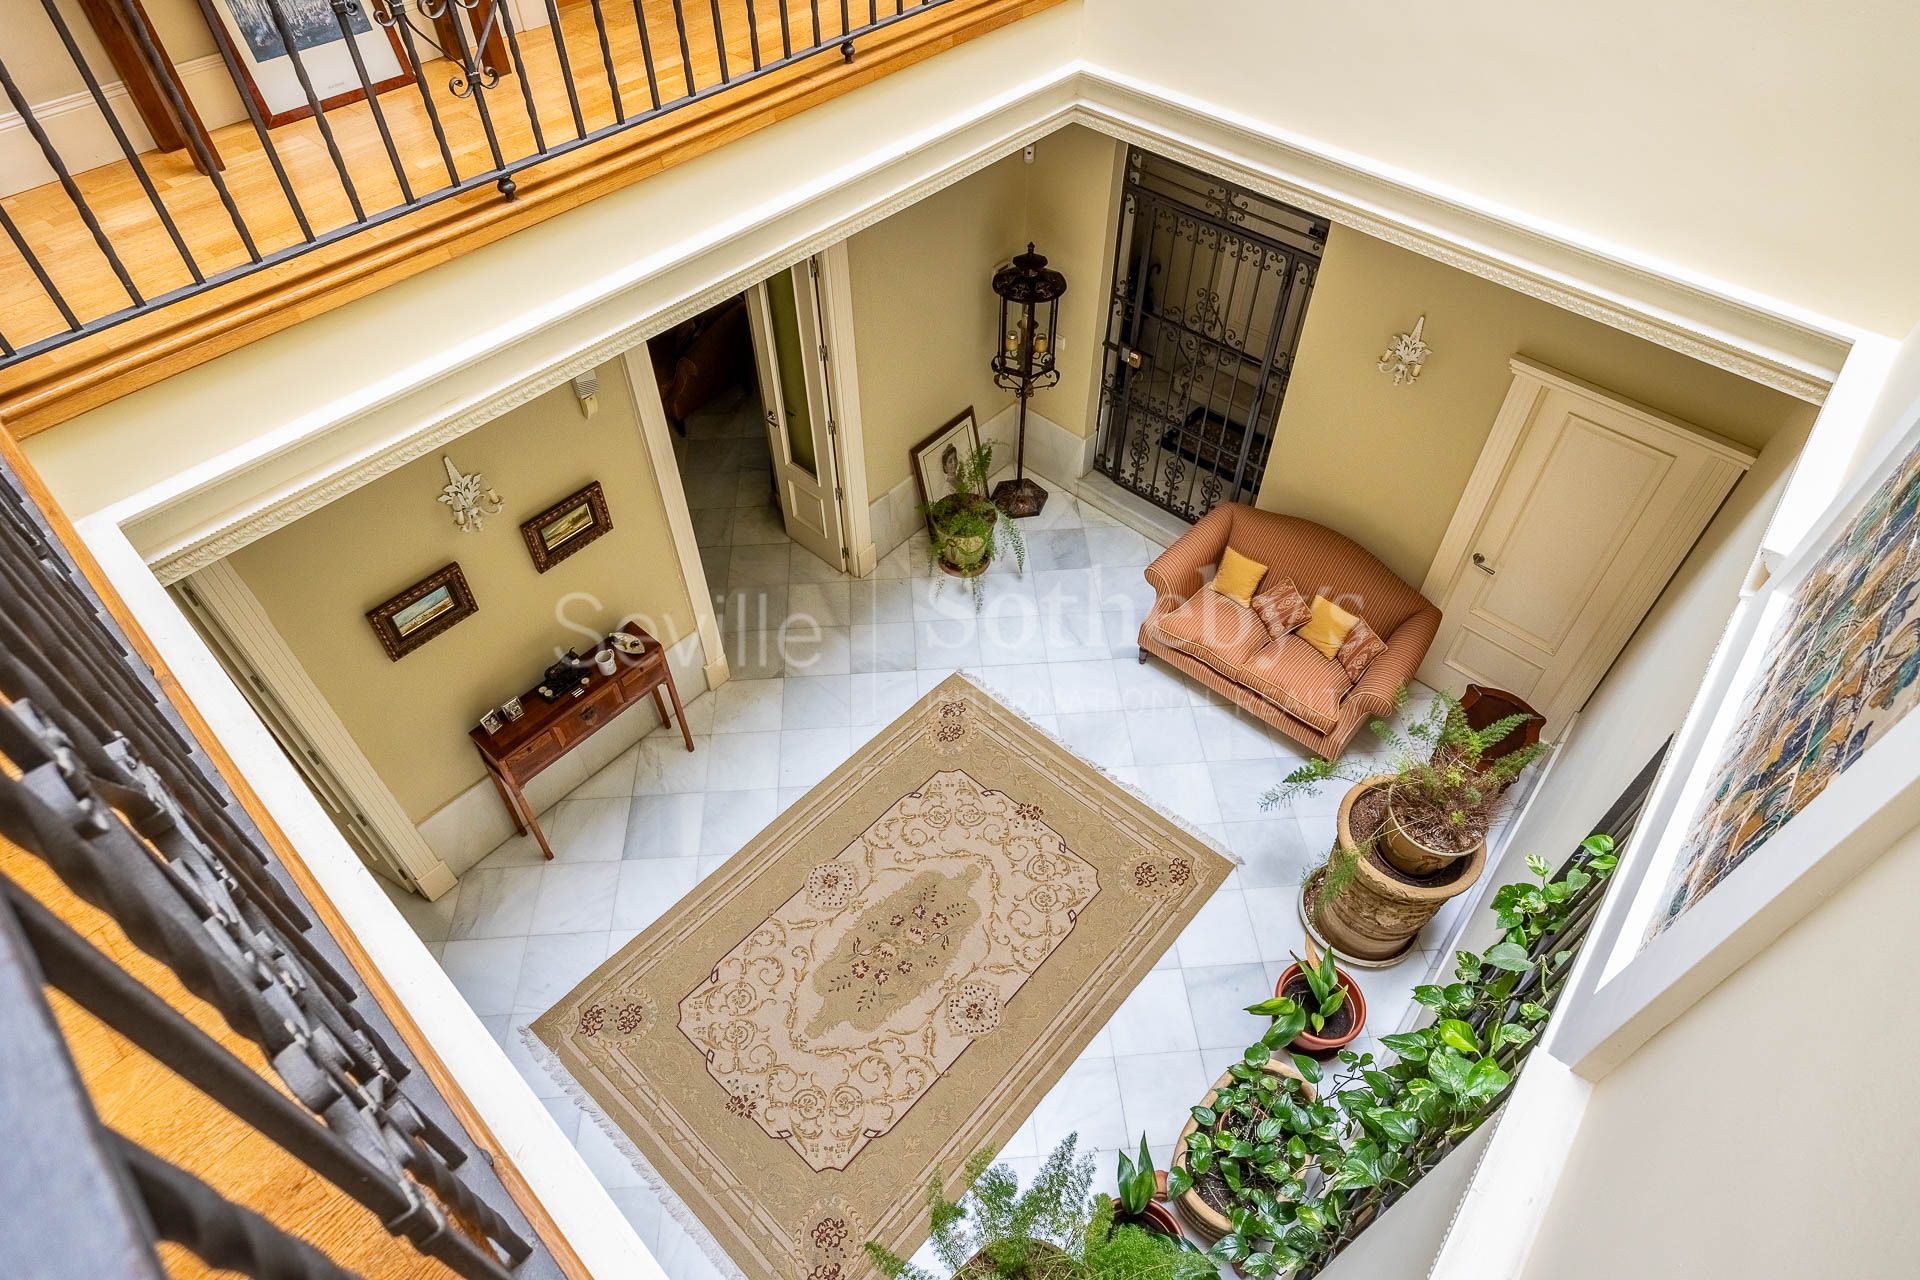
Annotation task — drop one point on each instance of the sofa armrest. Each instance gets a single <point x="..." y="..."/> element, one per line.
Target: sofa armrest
<point x="1176" y="573"/>
<point x="1406" y="649"/>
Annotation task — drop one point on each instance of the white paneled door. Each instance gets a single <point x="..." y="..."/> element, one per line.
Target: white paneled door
<point x="792" y="358"/>
<point x="1581" y="508"/>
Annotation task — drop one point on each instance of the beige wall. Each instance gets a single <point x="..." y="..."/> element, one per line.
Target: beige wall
<point x="924" y="314"/>
<point x="1386" y="465"/>
<point x="40" y="65"/>
<point x="1768" y="1131"/>
<point x="319" y="575"/>
<point x="1073" y="192"/>
<point x="1768" y="144"/>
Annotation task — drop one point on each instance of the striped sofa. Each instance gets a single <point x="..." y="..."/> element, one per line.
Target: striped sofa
<point x="1289" y="684"/>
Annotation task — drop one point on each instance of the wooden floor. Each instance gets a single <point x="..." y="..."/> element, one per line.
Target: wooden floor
<point x="47" y="218"/>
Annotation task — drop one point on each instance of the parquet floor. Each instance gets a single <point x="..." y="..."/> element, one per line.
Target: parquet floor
<point x="58" y="237"/>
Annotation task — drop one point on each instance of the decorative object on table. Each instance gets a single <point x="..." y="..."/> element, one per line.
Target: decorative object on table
<point x="470" y="498"/>
<point x="566" y="526"/>
<point x="965" y="894"/>
<point x="627" y="642"/>
<point x="1050" y="1231"/>
<point x="1406" y="355"/>
<point x="1334" y="1008"/>
<point x="1028" y="338"/>
<point x="513" y="708"/>
<point x="1346" y="1148"/>
<point x="965" y="527"/>
<point x="1142" y="1193"/>
<point x="424" y="610"/>
<point x="555" y="725"/>
<point x="257" y="34"/>
<point x="566" y="678"/>
<point x="490" y="721"/>
<point x="603" y="661"/>
<point x="1260" y="1084"/>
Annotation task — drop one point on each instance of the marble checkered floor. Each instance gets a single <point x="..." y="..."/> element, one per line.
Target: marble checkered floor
<point x="820" y="663"/>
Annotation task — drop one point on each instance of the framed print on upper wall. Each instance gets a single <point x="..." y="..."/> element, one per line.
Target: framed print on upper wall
<point x="250" y="32"/>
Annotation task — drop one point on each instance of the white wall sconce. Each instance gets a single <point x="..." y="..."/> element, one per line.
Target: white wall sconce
<point x="1406" y="354"/>
<point x="586" y="389"/>
<point x="470" y="498"/>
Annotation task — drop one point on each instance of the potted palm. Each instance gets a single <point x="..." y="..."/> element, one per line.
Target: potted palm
<point x="1335" y="1008"/>
<point x="964" y="527"/>
<point x="1051" y="1231"/>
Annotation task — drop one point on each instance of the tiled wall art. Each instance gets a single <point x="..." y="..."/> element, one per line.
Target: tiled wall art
<point x="1841" y="669"/>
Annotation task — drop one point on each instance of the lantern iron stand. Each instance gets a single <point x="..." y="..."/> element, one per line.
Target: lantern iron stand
<point x="1023" y="361"/>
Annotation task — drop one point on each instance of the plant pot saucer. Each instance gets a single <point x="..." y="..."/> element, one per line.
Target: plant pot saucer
<point x="952" y="572"/>
<point x="1306" y="920"/>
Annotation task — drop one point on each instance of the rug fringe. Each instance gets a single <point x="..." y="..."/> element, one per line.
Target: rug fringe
<point x="985" y="685"/>
<point x="675" y="1207"/>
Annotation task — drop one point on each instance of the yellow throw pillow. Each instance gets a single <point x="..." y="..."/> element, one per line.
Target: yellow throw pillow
<point x="1239" y="577"/>
<point x="1327" y="629"/>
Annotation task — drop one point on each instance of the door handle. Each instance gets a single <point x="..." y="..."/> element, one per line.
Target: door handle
<point x="1480" y="563"/>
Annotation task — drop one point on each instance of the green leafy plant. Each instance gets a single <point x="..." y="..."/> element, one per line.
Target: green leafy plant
<point x="1136" y="1181"/>
<point x="1292" y="1175"/>
<point x="1050" y="1231"/>
<point x="1323" y="985"/>
<point x="1445" y="788"/>
<point x="965" y="528"/>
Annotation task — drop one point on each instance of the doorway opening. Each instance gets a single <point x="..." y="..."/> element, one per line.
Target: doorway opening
<point x="746" y="388"/>
<point x="1211" y="289"/>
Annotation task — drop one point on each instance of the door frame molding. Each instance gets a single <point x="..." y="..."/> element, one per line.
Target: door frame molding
<point x="227" y="606"/>
<point x="1532" y="381"/>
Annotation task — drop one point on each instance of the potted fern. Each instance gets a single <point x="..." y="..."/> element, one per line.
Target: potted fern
<point x="1051" y="1231"/>
<point x="965" y="528"/>
<point x="1410" y="839"/>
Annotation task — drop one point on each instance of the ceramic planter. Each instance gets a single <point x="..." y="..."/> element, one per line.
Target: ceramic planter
<point x="1375" y="918"/>
<point x="1046" y="1261"/>
<point x="1413" y="857"/>
<point x="1207" y="1221"/>
<point x="967" y="557"/>
<point x="1324" y="1046"/>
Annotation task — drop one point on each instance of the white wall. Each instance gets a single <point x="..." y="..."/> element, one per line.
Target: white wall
<point x="1769" y="1131"/>
<point x="1768" y="144"/>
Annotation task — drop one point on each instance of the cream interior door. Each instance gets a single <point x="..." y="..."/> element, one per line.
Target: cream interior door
<point x="794" y="391"/>
<point x="1581" y="508"/>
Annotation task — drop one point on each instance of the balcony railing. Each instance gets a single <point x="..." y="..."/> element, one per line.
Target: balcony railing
<point x="205" y="1020"/>
<point x="359" y="113"/>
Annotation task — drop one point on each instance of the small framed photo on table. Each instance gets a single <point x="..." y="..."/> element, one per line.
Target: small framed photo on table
<point x="566" y="526"/>
<point x="424" y="610"/>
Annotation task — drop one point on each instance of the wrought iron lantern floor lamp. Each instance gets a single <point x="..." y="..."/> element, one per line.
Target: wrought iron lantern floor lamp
<point x="1023" y="360"/>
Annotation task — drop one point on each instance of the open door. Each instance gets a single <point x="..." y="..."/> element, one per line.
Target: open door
<point x="791" y="355"/>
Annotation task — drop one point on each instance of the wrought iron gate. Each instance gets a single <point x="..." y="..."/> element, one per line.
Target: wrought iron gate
<point x="1210" y="286"/>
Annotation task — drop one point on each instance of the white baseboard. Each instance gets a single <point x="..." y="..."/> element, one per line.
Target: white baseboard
<point x="80" y="134"/>
<point x="475" y="823"/>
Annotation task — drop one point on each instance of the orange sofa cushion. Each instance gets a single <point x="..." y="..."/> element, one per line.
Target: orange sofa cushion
<point x="1214" y="629"/>
<point x="1298" y="679"/>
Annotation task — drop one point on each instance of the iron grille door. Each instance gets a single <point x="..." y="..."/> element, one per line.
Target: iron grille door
<point x="1210" y="288"/>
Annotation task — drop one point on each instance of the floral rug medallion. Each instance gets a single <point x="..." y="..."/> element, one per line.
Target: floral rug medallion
<point x="886" y="979"/>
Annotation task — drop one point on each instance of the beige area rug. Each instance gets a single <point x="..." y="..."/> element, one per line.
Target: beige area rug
<point x="887" y="979"/>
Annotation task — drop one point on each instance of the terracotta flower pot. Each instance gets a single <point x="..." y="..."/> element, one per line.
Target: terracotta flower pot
<point x="1201" y="1216"/>
<point x="1325" y="1046"/>
<point x="1156" y="1217"/>
<point x="1413" y="857"/>
<point x="1375" y="918"/>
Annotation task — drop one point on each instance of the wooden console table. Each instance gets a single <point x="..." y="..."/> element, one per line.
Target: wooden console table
<point x="527" y="747"/>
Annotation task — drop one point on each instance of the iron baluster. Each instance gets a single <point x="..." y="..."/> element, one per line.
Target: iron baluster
<point x="686" y="52"/>
<point x="646" y="51"/>
<point x="392" y="14"/>
<point x="120" y="138"/>
<point x="341" y="8"/>
<point x="606" y="60"/>
<point x="32" y="260"/>
<point x="472" y="82"/>
<point x="753" y="34"/>
<point x="247" y="104"/>
<point x="501" y="11"/>
<point x="314" y="104"/>
<point x="719" y="40"/>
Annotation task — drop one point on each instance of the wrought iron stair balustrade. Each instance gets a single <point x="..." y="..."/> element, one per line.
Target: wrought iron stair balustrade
<point x="102" y="786"/>
<point x="468" y="101"/>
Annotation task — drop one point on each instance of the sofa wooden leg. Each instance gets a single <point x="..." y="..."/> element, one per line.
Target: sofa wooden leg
<point x="1143" y="656"/>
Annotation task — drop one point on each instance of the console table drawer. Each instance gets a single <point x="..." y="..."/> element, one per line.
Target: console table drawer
<point x="591" y="713"/>
<point x="536" y="755"/>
